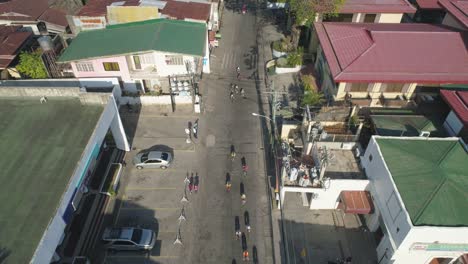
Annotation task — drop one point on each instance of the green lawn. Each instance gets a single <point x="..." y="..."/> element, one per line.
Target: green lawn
<point x="40" y="146"/>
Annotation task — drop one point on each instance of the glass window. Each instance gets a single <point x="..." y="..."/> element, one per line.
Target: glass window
<point x="144" y="157"/>
<point x="153" y="161"/>
<point x="369" y="18"/>
<point x="338" y="18"/>
<point x="136" y="236"/>
<point x="164" y="156"/>
<point x="174" y="60"/>
<point x="136" y="60"/>
<point x="84" y="67"/>
<point x="124" y="243"/>
<point x="111" y="66"/>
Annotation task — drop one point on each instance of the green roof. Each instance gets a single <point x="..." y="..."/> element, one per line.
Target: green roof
<point x="407" y="125"/>
<point x="431" y="177"/>
<point x="41" y="145"/>
<point x="455" y="86"/>
<point x="167" y="35"/>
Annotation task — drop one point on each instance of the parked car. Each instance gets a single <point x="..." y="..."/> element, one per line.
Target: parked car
<point x="152" y="159"/>
<point x="129" y="238"/>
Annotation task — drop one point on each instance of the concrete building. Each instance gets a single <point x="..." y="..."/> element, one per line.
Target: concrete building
<point x="456" y="122"/>
<point x="141" y="54"/>
<point x="97" y="14"/>
<point x="29" y="13"/>
<point x="55" y="139"/>
<point x="383" y="64"/>
<point x="370" y="11"/>
<point x="418" y="189"/>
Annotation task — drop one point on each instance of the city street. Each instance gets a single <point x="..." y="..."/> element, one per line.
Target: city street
<point x="151" y="198"/>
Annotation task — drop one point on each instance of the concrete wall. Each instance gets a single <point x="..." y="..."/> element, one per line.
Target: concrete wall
<point x="388" y="18"/>
<point x="385" y="195"/>
<point x="374" y="90"/>
<point x="54" y="232"/>
<point x="286" y="129"/>
<point x="328" y="198"/>
<point x="99" y="71"/>
<point x="155" y="100"/>
<point x="39" y="92"/>
<point x="327" y="83"/>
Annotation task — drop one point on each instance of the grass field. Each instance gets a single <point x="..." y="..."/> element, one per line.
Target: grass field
<point x="40" y="145"/>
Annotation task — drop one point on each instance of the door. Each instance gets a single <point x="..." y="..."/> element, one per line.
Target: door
<point x="137" y="62"/>
<point x="153" y="163"/>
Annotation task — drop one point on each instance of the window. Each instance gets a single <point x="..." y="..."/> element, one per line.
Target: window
<point x="153" y="161"/>
<point x="394" y="87"/>
<point x="147" y="59"/>
<point x="359" y="87"/>
<point x="136" y="60"/>
<point x="369" y="18"/>
<point x="144" y="157"/>
<point x="338" y="18"/>
<point x="123" y="243"/>
<point x="136" y="236"/>
<point x="111" y="66"/>
<point x="84" y="67"/>
<point x="174" y="60"/>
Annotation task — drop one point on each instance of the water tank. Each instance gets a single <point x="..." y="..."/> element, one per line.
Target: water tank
<point x="46" y="43"/>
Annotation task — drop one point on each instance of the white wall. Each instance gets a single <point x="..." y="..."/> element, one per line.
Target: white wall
<point x="388" y="18"/>
<point x="52" y="236"/>
<point x="328" y="198"/>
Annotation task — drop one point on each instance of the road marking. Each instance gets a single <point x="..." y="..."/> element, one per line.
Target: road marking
<point x="149" y="188"/>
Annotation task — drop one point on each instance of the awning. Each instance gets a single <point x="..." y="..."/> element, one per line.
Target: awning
<point x="356" y="202"/>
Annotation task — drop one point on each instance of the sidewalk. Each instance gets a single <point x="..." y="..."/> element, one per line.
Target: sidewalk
<point x="267" y="33"/>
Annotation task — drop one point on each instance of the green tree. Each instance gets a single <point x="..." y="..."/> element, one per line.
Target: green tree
<point x="311" y="94"/>
<point x="303" y="12"/>
<point x="31" y="65"/>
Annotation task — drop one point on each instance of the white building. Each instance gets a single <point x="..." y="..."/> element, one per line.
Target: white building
<point x="419" y="191"/>
<point x="63" y="136"/>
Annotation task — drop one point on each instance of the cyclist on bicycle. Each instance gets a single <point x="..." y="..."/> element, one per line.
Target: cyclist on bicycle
<point x="237" y="227"/>
<point x="245" y="252"/>
<point x="242" y="193"/>
<point x="228" y="182"/>
<point x="233" y="152"/>
<point x="247" y="221"/>
<point x="244" y="166"/>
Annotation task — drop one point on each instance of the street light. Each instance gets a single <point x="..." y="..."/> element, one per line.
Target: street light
<point x="255" y="114"/>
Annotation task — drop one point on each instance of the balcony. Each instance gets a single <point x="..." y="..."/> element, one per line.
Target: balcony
<point x="146" y="73"/>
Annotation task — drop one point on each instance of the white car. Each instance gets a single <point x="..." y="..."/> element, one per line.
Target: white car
<point x="129" y="238"/>
<point x="152" y="159"/>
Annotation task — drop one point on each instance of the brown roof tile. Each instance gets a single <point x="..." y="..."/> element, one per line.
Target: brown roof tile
<point x="184" y="10"/>
<point x="99" y="7"/>
<point x="11" y="40"/>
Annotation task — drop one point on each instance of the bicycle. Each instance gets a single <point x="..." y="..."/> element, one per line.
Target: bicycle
<point x="233" y="153"/>
<point x="244" y="170"/>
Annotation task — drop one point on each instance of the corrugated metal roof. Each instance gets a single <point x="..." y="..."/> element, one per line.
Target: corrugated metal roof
<point x="431" y="178"/>
<point x="419" y="53"/>
<point x="183" y="10"/>
<point x="99" y="7"/>
<point x="458" y="9"/>
<point x="33" y="10"/>
<point x="458" y="101"/>
<point x="428" y="4"/>
<point x="377" y="6"/>
<point x="11" y="40"/>
<point x="172" y="36"/>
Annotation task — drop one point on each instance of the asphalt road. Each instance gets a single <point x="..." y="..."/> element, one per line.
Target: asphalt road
<point x="152" y="198"/>
<point x="223" y="124"/>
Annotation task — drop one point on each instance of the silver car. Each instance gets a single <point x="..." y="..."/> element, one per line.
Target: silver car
<point x="129" y="238"/>
<point x="152" y="159"/>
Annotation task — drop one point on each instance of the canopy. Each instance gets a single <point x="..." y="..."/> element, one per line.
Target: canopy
<point x="356" y="202"/>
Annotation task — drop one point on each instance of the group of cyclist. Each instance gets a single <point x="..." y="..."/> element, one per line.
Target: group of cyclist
<point x="235" y="88"/>
<point x="238" y="233"/>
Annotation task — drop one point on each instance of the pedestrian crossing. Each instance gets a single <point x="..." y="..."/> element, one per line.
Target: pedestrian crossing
<point x="230" y="60"/>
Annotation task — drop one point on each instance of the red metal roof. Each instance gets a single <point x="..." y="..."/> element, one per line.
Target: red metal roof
<point x="356" y="202"/>
<point x="377" y="6"/>
<point x="184" y="10"/>
<point x="99" y="7"/>
<point x="418" y="53"/>
<point x="32" y="10"/>
<point x="458" y="101"/>
<point x="11" y="40"/>
<point x="458" y="9"/>
<point x="428" y="4"/>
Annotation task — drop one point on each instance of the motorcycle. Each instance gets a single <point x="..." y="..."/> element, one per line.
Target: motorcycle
<point x="244" y="9"/>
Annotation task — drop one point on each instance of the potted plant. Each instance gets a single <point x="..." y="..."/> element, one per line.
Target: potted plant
<point x="281" y="47"/>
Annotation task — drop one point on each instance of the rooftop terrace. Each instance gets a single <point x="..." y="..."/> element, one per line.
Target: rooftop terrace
<point x="41" y="145"/>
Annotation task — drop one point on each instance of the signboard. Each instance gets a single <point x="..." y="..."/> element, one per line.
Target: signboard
<point x="439" y="247"/>
<point x="89" y="23"/>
